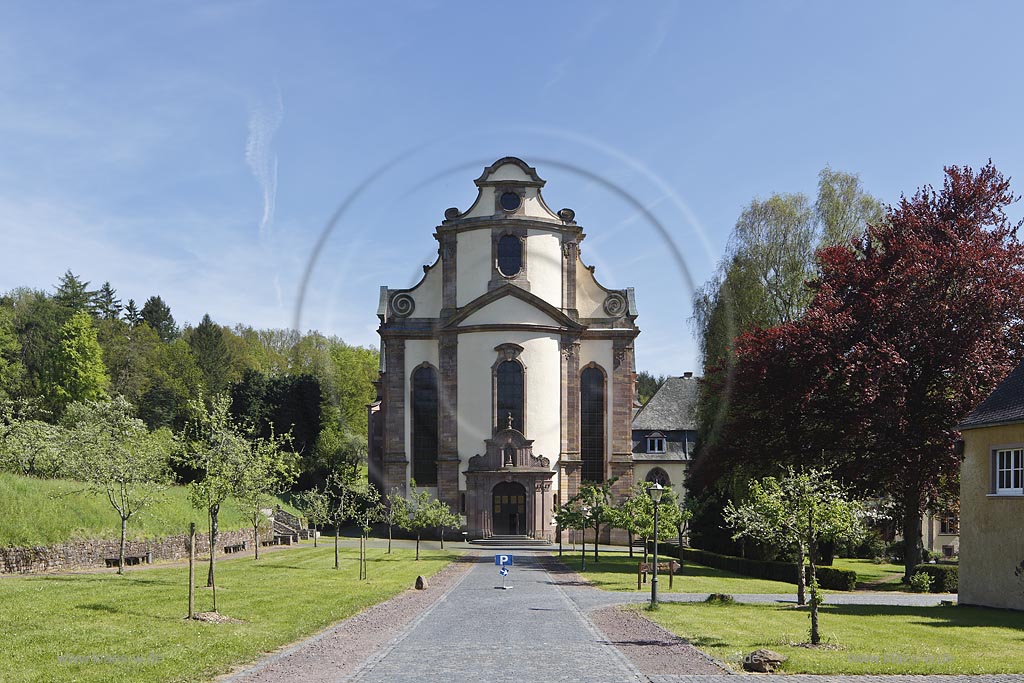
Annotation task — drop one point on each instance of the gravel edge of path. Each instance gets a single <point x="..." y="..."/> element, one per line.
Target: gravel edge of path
<point x="653" y="650"/>
<point x="347" y="647"/>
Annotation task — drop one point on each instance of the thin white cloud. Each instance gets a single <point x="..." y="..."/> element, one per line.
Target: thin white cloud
<point x="264" y="120"/>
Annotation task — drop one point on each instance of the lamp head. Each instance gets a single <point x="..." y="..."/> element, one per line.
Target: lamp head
<point x="655" y="492"/>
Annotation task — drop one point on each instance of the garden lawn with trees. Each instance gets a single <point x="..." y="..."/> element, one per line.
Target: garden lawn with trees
<point x="857" y="639"/>
<point x="37" y="512"/>
<point x="103" y="627"/>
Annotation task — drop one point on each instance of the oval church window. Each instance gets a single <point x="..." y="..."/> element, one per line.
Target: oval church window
<point x="510" y="255"/>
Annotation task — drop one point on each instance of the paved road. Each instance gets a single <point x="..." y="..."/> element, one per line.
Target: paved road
<point x="530" y="634"/>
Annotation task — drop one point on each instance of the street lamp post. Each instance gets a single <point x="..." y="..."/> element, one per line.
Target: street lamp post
<point x="655" y="492"/>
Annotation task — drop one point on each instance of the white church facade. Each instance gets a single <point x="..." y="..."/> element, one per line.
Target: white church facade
<point x="507" y="373"/>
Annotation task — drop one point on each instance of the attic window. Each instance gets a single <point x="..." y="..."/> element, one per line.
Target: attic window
<point x="510" y="255"/>
<point x="655" y="444"/>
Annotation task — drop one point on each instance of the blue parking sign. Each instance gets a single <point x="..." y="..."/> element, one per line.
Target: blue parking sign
<point x="503" y="560"/>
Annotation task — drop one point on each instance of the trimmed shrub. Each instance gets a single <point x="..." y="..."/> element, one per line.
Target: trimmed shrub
<point x="945" y="577"/>
<point x="828" y="577"/>
<point x="835" y="579"/>
<point x="920" y="582"/>
<point x="720" y="599"/>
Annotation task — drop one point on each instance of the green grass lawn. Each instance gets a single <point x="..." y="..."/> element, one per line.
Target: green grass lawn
<point x="47" y="511"/>
<point x="870" y="639"/>
<point x="103" y="627"/>
<point x="886" y="576"/>
<point x="618" y="573"/>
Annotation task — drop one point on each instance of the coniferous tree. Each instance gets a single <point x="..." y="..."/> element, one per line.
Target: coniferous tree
<point x="211" y="353"/>
<point x="132" y="315"/>
<point x="105" y="304"/>
<point x="158" y="315"/>
<point x="73" y="293"/>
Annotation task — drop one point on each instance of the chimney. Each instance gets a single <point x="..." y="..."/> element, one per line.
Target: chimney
<point x="687" y="375"/>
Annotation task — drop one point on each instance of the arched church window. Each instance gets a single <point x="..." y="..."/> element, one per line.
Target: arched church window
<point x="510" y="255"/>
<point x="424" y="426"/>
<point x="509" y="401"/>
<point x="592" y="420"/>
<point x="658" y="476"/>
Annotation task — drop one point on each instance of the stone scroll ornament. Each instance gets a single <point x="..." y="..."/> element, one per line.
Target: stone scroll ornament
<point x="615" y="305"/>
<point x="402" y="305"/>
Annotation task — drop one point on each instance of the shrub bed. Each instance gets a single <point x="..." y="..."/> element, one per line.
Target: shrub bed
<point x="828" y="577"/>
<point x="945" y="577"/>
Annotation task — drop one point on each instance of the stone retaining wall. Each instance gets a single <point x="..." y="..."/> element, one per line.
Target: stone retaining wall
<point x="80" y="554"/>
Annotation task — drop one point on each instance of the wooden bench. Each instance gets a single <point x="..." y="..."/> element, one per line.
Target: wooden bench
<point x="236" y="548"/>
<point x="129" y="560"/>
<point x="644" y="568"/>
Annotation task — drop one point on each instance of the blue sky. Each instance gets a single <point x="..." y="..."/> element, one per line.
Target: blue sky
<point x="198" y="151"/>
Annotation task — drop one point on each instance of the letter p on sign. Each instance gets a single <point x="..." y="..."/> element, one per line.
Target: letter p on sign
<point x="503" y="560"/>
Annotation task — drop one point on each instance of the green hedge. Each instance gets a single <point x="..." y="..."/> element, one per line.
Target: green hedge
<point x="828" y="577"/>
<point x="945" y="577"/>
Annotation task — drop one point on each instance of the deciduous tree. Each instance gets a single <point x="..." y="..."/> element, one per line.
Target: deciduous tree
<point x="111" y="450"/>
<point x="803" y="508"/>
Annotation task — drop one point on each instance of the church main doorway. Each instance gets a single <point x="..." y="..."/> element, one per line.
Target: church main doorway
<point x="509" y="506"/>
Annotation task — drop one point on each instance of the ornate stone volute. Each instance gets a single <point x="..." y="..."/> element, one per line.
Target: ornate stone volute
<point x="508" y="449"/>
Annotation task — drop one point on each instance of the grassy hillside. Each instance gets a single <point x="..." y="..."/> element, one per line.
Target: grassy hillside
<point x="47" y="511"/>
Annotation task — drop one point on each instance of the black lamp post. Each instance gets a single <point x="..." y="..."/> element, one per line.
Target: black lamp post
<point x="655" y="492"/>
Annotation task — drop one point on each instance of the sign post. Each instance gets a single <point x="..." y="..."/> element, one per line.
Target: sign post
<point x="504" y="562"/>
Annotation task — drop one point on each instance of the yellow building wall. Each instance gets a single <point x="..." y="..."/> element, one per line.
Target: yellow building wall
<point x="991" y="527"/>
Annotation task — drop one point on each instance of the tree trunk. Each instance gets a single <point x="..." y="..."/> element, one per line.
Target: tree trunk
<point x="315" y="534"/>
<point x="256" y="539"/>
<point x="120" y="556"/>
<point x="815" y="636"/>
<point x="630" y="544"/>
<point x="214" y="511"/>
<point x="679" y="531"/>
<point x="911" y="539"/>
<point x="335" y="546"/>
<point x="417" y="546"/>
<point x="442" y="538"/>
<point x="647" y="541"/>
<point x="389" y="539"/>
<point x="597" y="539"/>
<point x="801" y="598"/>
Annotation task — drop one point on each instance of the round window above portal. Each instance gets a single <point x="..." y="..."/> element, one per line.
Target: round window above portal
<point x="510" y="201"/>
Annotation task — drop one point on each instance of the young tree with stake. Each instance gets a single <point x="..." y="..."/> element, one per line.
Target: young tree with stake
<point x="804" y="509"/>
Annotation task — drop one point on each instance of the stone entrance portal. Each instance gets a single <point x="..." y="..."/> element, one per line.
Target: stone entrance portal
<point x="509" y="509"/>
<point x="508" y="489"/>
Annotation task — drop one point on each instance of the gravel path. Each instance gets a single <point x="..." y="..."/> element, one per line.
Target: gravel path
<point x="343" y="649"/>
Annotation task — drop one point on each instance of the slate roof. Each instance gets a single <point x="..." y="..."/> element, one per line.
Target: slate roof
<point x="1005" y="405"/>
<point x="673" y="406"/>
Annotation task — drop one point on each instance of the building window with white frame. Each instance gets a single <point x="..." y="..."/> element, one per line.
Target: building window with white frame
<point x="655" y="444"/>
<point x="1008" y="472"/>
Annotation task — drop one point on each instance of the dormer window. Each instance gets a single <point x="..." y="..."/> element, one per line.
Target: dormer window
<point x="655" y="444"/>
<point x="510" y="255"/>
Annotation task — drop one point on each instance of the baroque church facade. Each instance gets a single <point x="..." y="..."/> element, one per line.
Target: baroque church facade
<point x="507" y="373"/>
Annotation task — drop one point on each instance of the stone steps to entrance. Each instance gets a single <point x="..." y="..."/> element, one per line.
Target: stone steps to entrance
<point x="511" y="541"/>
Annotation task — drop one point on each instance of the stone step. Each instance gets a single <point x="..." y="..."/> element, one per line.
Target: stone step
<point x="510" y="541"/>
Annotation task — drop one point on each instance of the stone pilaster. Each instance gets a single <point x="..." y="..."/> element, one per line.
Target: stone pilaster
<point x="449" y="259"/>
<point x="570" y="255"/>
<point x="396" y="460"/>
<point x="448" y="455"/>
<point x="570" y="455"/>
<point x="623" y="382"/>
